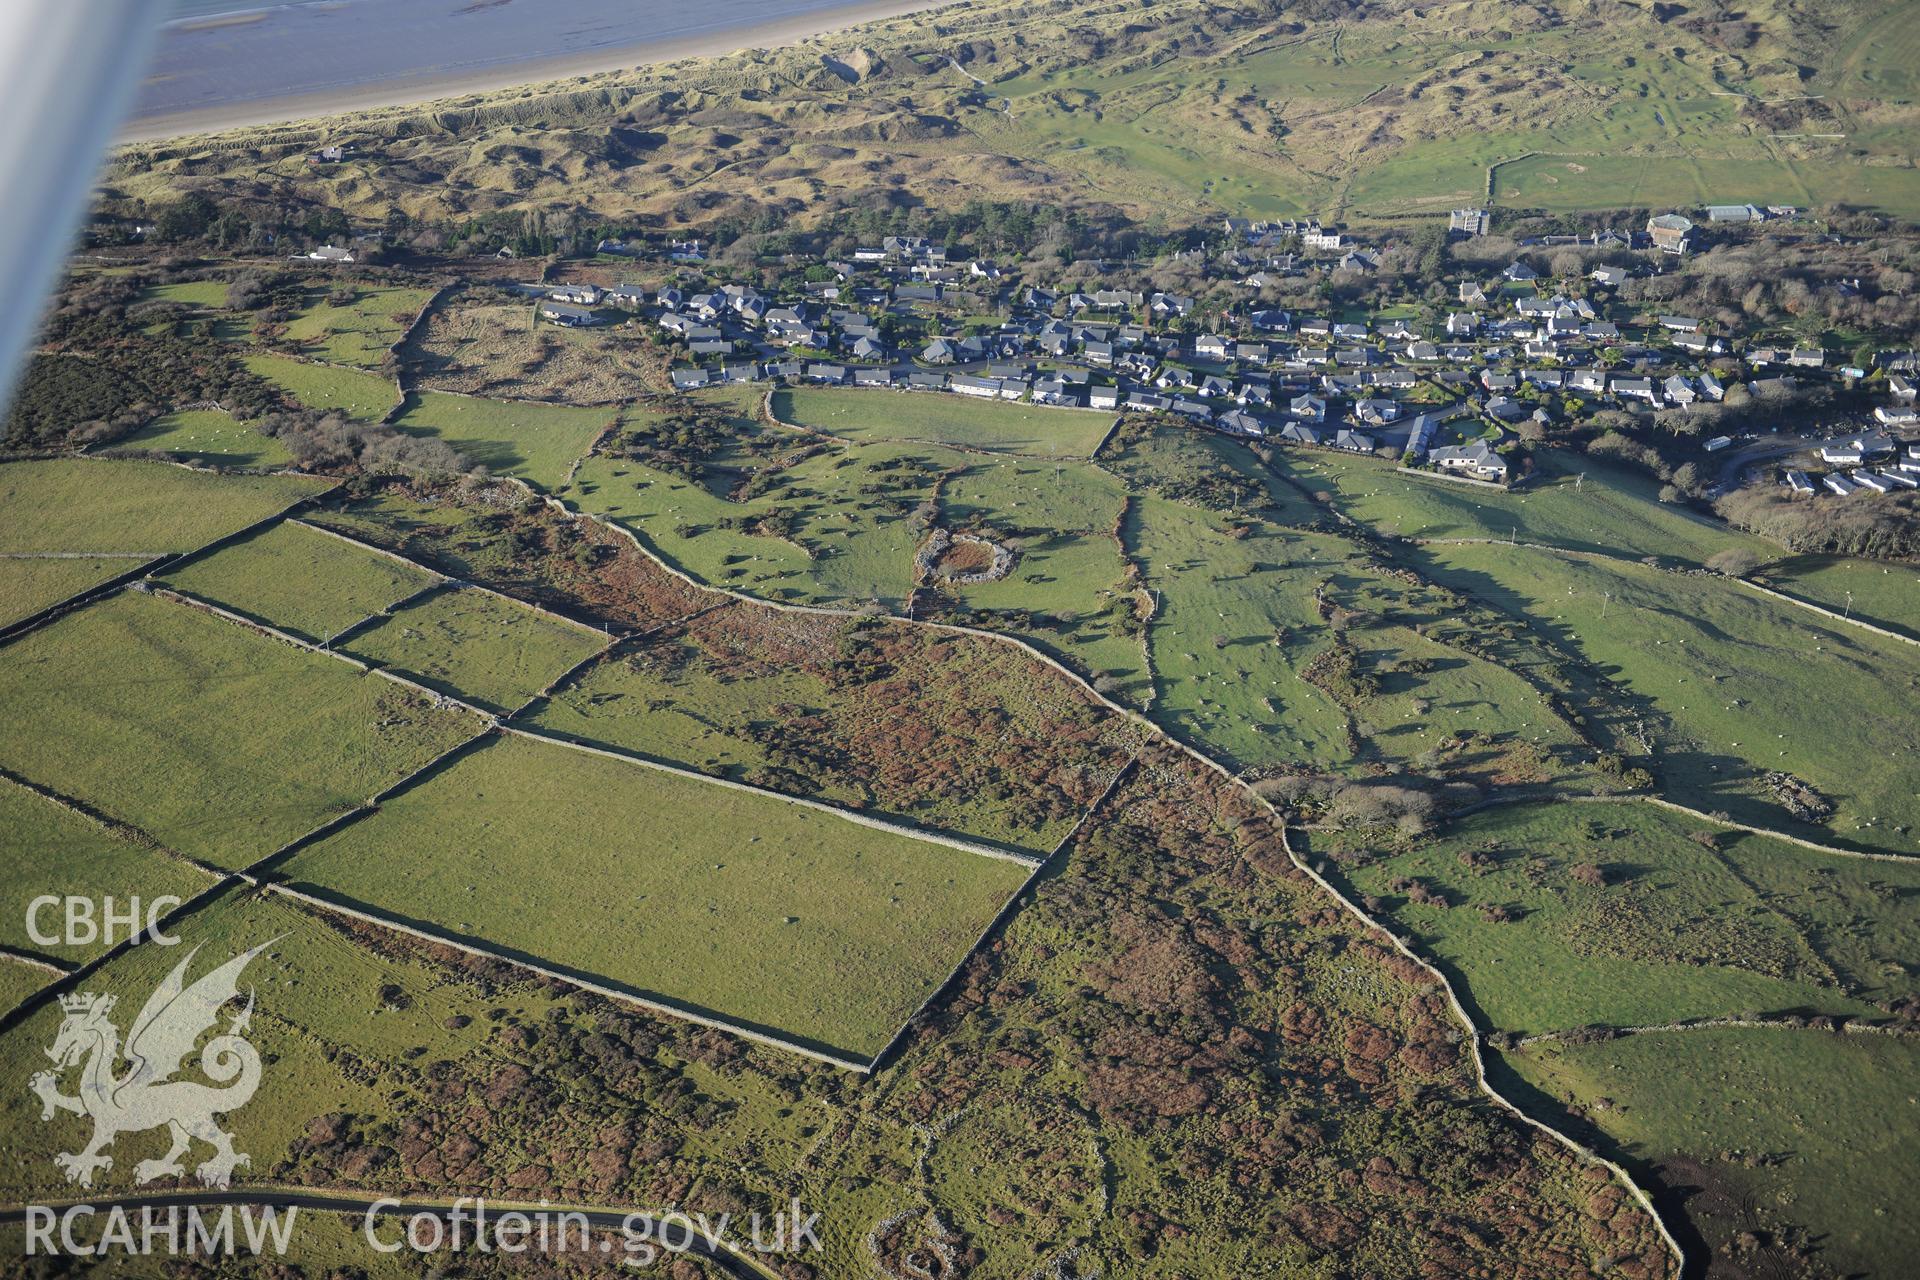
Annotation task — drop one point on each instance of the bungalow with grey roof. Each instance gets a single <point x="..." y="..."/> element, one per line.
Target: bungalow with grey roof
<point x="1299" y="433"/>
<point x="568" y="314"/>
<point x="1476" y="459"/>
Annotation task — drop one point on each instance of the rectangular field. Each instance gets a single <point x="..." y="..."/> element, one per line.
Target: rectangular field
<point x="360" y="331"/>
<point x="536" y="442"/>
<point x="930" y="418"/>
<point x="778" y="917"/>
<point x="300" y="580"/>
<point x="215" y="740"/>
<point x="365" y="397"/>
<point x="209" y="437"/>
<point x="71" y="504"/>
<point x="476" y="646"/>
<point x="48" y="849"/>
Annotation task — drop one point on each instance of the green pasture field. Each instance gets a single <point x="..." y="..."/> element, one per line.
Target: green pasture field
<point x="1808" y="1126"/>
<point x="46" y="848"/>
<point x="1746" y="685"/>
<point x="1067" y="589"/>
<point x="359" y="333"/>
<point x="537" y="443"/>
<point x="210" y="437"/>
<point x="1679" y="931"/>
<point x="1003" y="426"/>
<point x="329" y="1014"/>
<point x="1243" y="699"/>
<point x="193" y="293"/>
<point x="1236" y="634"/>
<point x="71" y="504"/>
<point x="835" y="529"/>
<point x="736" y="904"/>
<point x="30" y="584"/>
<point x="365" y="397"/>
<point x="1611" y="510"/>
<point x="219" y="742"/>
<point x="1441" y="711"/>
<point x="475" y="645"/>
<point x="299" y="580"/>
<point x="847" y="537"/>
<point x="1886" y="595"/>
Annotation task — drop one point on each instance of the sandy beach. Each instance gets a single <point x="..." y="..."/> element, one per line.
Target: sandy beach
<point x="411" y="89"/>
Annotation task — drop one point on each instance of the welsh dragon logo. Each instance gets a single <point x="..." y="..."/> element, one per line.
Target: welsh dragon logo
<point x="143" y="1097"/>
